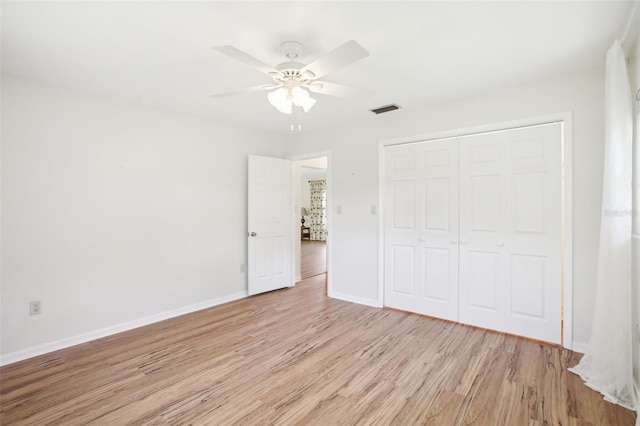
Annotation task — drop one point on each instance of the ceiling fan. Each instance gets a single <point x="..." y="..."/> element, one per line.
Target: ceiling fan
<point x="293" y="80"/>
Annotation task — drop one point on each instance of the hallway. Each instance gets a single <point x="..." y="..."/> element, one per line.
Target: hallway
<point x="313" y="260"/>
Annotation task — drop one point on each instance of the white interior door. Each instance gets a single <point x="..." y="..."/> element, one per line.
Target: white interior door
<point x="269" y="224"/>
<point x="511" y="231"/>
<point x="421" y="228"/>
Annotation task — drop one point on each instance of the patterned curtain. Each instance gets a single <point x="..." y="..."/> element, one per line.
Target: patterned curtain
<point x="318" y="210"/>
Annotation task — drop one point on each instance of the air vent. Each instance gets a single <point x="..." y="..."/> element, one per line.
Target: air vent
<point x="385" y="108"/>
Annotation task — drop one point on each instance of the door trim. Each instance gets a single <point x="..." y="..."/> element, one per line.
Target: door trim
<point x="566" y="125"/>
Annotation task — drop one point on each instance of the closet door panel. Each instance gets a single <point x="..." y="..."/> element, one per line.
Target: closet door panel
<point x="528" y="286"/>
<point x="438" y="237"/>
<point x="436" y="213"/>
<point x="483" y="277"/>
<point x="401" y="227"/>
<point x="404" y="264"/>
<point x="482" y="228"/>
<point x="510" y="203"/>
<point x="484" y="203"/>
<point x="534" y="294"/>
<point x="404" y="204"/>
<point x="421" y="180"/>
<point x="437" y="274"/>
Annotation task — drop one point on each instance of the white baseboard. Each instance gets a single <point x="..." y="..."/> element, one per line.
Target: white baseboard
<point x="354" y="299"/>
<point x="45" y="348"/>
<point x="580" y="347"/>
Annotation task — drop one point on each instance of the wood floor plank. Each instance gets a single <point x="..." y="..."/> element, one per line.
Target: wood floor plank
<point x="313" y="258"/>
<point x="294" y="356"/>
<point x="444" y="409"/>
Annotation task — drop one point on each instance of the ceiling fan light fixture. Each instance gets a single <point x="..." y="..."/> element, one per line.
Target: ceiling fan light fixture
<point x="302" y="98"/>
<point x="283" y="99"/>
<point x="294" y="80"/>
<point x="299" y="96"/>
<point x="286" y="108"/>
<point x="279" y="98"/>
<point x="308" y="104"/>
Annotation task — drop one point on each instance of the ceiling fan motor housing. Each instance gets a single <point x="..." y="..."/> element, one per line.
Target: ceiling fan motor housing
<point x="291" y="74"/>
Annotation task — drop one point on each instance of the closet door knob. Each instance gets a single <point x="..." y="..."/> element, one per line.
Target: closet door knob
<point x="500" y="243"/>
<point x="421" y="239"/>
<point x="463" y="242"/>
<point x="453" y="241"/>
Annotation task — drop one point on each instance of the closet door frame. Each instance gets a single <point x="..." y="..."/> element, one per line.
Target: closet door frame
<point x="566" y="121"/>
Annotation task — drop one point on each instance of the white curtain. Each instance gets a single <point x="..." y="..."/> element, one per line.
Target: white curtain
<point x="318" y="226"/>
<point x="607" y="366"/>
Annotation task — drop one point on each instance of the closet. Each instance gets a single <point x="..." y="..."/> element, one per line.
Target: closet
<point x="473" y="230"/>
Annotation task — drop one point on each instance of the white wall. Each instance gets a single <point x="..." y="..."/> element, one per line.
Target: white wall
<point x="354" y="153"/>
<point x="115" y="214"/>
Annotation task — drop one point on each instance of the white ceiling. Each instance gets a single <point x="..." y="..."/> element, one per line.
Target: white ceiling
<point x="421" y="53"/>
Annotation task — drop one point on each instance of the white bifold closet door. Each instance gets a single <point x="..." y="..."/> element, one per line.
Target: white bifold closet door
<point x="511" y="231"/>
<point x="421" y="230"/>
<point x="473" y="230"/>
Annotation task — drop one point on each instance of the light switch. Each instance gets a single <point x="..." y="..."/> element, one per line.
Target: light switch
<point x="339" y="209"/>
<point x="373" y="210"/>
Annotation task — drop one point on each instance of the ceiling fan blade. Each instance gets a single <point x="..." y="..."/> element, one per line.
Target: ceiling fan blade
<point x="332" y="89"/>
<point x="346" y="54"/>
<point x="261" y="88"/>
<point x="245" y="58"/>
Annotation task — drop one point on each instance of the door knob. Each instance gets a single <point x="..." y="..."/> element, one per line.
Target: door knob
<point x="253" y="234"/>
<point x="463" y="242"/>
<point x="500" y="243"/>
<point x="421" y="239"/>
<point x="453" y="241"/>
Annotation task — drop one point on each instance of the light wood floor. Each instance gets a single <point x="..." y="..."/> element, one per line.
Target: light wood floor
<point x="313" y="259"/>
<point x="294" y="356"/>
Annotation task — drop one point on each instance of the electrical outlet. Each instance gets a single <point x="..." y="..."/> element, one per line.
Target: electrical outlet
<point x="35" y="308"/>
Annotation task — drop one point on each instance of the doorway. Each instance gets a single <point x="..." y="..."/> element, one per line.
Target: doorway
<point x="311" y="195"/>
